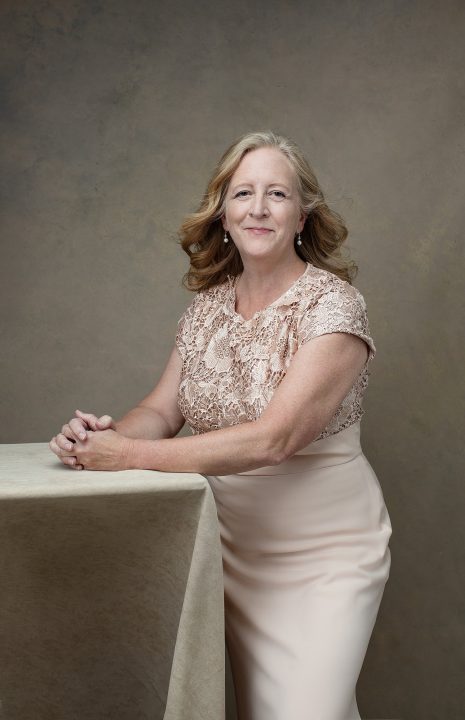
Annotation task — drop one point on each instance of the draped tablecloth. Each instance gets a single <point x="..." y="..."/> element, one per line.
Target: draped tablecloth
<point x="111" y="593"/>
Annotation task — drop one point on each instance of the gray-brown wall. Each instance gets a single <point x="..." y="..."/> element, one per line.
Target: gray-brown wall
<point x="113" y="114"/>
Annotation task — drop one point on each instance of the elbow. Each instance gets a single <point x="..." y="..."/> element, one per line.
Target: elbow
<point x="283" y="445"/>
<point x="281" y="452"/>
<point x="278" y="456"/>
<point x="278" y="450"/>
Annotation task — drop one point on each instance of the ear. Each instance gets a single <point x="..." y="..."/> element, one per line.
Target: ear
<point x="224" y="223"/>
<point x="302" y="221"/>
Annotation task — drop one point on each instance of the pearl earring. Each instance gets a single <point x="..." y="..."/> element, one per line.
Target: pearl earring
<point x="299" y="241"/>
<point x="225" y="239"/>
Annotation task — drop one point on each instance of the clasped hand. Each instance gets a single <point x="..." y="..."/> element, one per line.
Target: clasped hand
<point x="91" y="443"/>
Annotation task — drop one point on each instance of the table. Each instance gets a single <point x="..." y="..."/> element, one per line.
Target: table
<point x="111" y="593"/>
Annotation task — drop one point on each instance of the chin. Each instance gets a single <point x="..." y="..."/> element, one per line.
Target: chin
<point x="259" y="247"/>
<point x="264" y="251"/>
<point x="259" y="253"/>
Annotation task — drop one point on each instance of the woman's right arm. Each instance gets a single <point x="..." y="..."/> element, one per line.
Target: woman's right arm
<point x="157" y="416"/>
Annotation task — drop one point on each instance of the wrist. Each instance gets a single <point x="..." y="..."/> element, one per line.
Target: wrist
<point x="130" y="454"/>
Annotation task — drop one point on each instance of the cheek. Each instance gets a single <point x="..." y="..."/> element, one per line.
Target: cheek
<point x="232" y="214"/>
<point x="288" y="217"/>
<point x="295" y="216"/>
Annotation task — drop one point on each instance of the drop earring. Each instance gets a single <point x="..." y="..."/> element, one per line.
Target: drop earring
<point x="225" y="239"/>
<point x="299" y="241"/>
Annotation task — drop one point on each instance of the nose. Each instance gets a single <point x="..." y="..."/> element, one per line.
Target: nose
<point x="258" y="206"/>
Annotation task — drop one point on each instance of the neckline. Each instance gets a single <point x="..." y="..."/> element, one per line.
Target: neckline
<point x="279" y="300"/>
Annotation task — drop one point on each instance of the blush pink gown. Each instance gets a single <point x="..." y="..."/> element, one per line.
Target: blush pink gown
<point x="305" y="543"/>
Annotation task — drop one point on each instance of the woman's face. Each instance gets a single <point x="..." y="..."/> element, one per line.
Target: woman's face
<point x="262" y="210"/>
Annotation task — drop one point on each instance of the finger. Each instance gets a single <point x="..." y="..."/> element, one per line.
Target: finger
<point x="89" y="418"/>
<point x="63" y="442"/>
<point x="78" y="428"/>
<point x="65" y="459"/>
<point x="66" y="430"/>
<point x="71" y="432"/>
<point x="54" y="447"/>
<point x="105" y="422"/>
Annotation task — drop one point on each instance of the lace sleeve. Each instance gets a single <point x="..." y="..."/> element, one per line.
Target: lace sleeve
<point x="183" y="333"/>
<point x="340" y="309"/>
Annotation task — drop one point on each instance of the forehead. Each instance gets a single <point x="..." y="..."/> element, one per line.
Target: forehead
<point x="267" y="164"/>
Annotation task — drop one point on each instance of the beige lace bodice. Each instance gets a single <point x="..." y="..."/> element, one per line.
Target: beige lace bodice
<point x="232" y="366"/>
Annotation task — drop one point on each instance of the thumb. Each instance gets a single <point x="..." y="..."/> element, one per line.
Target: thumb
<point x="105" y="421"/>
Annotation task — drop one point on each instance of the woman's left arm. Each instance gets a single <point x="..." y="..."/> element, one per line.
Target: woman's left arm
<point x="319" y="377"/>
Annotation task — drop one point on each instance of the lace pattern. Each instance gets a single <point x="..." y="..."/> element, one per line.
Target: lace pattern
<point x="232" y="366"/>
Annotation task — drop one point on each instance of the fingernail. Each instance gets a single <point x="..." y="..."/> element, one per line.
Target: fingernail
<point x="68" y="446"/>
<point x="82" y="436"/>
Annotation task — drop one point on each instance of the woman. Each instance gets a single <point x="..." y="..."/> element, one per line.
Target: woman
<point x="269" y="368"/>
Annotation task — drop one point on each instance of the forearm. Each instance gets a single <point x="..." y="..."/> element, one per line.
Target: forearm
<point x="220" y="452"/>
<point x="143" y="422"/>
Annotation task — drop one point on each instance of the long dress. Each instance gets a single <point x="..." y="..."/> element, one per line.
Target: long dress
<point x="305" y="543"/>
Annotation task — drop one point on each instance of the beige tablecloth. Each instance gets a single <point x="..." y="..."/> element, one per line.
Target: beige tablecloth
<point x="111" y="593"/>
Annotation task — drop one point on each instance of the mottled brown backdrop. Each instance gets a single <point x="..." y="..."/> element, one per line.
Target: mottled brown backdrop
<point x="113" y="114"/>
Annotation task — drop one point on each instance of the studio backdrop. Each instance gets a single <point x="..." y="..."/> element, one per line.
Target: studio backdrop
<point x="113" y="116"/>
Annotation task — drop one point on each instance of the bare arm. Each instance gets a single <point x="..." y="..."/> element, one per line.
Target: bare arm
<point x="319" y="377"/>
<point x="157" y="415"/>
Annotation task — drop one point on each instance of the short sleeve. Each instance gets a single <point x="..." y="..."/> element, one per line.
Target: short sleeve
<point x="341" y="308"/>
<point x="183" y="331"/>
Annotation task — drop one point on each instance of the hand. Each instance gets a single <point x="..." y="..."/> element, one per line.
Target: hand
<point x="102" y="450"/>
<point x="76" y="429"/>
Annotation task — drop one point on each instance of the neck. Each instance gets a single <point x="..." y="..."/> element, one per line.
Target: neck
<point x="262" y="283"/>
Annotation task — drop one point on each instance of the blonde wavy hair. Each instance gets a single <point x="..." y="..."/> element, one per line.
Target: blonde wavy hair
<point x="201" y="234"/>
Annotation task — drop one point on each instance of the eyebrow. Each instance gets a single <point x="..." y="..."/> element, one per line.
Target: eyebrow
<point x="273" y="184"/>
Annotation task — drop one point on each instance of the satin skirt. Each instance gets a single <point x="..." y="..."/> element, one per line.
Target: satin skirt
<point x="305" y="559"/>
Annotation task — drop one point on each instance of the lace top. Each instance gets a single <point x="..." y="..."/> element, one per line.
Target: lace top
<point x="232" y="366"/>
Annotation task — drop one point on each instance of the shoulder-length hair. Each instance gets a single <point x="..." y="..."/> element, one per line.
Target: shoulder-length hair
<point x="201" y="234"/>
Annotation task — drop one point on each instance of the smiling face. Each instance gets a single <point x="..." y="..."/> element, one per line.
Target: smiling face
<point x="262" y="209"/>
